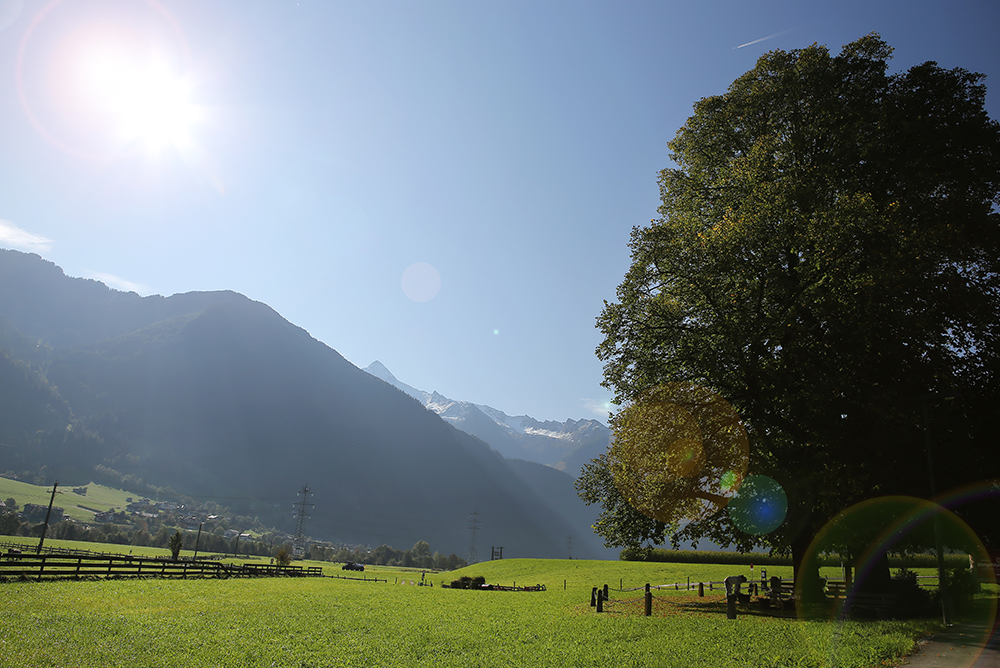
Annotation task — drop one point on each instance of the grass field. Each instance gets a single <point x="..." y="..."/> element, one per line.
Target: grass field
<point x="324" y="622"/>
<point x="80" y="508"/>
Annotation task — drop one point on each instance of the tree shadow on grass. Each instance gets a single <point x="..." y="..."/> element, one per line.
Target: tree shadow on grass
<point x="686" y="604"/>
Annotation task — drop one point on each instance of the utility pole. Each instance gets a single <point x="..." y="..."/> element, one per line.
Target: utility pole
<point x="197" y="541"/>
<point x="474" y="528"/>
<point x="45" y="527"/>
<point x="301" y="514"/>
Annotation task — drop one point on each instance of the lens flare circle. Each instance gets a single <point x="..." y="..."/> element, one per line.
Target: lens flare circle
<point x="759" y="507"/>
<point x="861" y="537"/>
<point x="420" y="282"/>
<point x="679" y="453"/>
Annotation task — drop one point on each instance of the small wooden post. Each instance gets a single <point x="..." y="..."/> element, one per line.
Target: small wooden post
<point x="701" y="589"/>
<point x="600" y="602"/>
<point x="649" y="604"/>
<point x="605" y="592"/>
<point x="593" y="597"/>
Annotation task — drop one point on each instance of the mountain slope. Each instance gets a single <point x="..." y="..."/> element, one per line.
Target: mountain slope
<point x="221" y="398"/>
<point x="566" y="446"/>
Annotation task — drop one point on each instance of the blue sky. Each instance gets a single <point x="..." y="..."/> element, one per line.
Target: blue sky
<point x="447" y="187"/>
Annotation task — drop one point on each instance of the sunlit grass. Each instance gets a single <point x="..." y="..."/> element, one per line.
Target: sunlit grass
<point x="328" y="622"/>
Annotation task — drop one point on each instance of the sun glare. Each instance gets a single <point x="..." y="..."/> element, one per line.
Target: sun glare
<point x="143" y="101"/>
<point x="105" y="82"/>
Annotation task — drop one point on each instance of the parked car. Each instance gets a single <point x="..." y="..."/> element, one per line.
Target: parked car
<point x="351" y="566"/>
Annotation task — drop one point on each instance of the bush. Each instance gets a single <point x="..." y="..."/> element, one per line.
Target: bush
<point x="9" y="524"/>
<point x="963" y="585"/>
<point x="466" y="582"/>
<point x="284" y="557"/>
<point x="175" y="544"/>
<point x="910" y="600"/>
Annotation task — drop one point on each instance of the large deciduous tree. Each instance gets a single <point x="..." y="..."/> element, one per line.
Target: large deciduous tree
<point x="827" y="258"/>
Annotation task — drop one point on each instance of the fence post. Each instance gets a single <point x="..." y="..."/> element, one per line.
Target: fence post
<point x="605" y="592"/>
<point x="649" y="601"/>
<point x="593" y="597"/>
<point x="600" y="602"/>
<point x="701" y="589"/>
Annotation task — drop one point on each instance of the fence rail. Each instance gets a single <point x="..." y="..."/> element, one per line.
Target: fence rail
<point x="59" y="566"/>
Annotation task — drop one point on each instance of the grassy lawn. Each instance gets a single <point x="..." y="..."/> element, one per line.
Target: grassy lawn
<point x="98" y="497"/>
<point x="314" y="622"/>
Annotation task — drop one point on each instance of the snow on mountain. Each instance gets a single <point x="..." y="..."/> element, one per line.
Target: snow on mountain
<point x="562" y="445"/>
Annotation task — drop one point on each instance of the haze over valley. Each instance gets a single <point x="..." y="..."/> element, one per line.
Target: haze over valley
<point x="218" y="397"/>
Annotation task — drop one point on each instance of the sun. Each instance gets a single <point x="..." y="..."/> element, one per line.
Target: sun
<point x="138" y="99"/>
<point x="105" y="82"/>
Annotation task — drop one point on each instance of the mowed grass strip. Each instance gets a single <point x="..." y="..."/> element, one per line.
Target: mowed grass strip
<point x="303" y="622"/>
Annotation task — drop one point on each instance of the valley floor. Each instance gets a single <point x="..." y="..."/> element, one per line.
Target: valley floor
<point x="325" y="622"/>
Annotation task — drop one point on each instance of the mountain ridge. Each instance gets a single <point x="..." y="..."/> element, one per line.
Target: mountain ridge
<point x="565" y="446"/>
<point x="218" y="396"/>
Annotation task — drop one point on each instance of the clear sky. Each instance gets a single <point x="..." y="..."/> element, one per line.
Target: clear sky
<point x="446" y="187"/>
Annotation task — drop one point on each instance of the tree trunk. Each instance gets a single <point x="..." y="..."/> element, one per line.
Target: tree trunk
<point x="873" y="575"/>
<point x="808" y="589"/>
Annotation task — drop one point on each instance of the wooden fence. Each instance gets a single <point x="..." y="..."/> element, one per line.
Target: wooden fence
<point x="58" y="566"/>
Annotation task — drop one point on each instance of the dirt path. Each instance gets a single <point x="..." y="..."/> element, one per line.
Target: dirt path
<point x="961" y="646"/>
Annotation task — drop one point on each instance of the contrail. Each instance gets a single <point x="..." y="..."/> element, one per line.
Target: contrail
<point x="762" y="39"/>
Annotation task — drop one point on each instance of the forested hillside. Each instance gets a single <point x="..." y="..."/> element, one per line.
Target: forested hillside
<point x="217" y="396"/>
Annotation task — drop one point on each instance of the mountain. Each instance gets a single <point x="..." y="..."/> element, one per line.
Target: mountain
<point x="565" y="446"/>
<point x="220" y="398"/>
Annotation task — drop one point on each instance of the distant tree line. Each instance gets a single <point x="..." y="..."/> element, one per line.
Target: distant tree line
<point x="129" y="530"/>
<point x="418" y="556"/>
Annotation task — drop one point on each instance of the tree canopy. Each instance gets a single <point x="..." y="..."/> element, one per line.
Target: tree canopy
<point x="827" y="259"/>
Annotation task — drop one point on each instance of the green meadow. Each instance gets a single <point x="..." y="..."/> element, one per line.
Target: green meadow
<point x="77" y="506"/>
<point x="325" y="622"/>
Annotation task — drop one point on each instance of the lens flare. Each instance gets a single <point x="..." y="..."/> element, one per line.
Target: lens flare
<point x="421" y="282"/>
<point x="759" y="507"/>
<point x="864" y="534"/>
<point x="679" y="454"/>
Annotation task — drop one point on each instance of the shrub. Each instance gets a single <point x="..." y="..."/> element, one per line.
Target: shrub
<point x="910" y="600"/>
<point x="963" y="585"/>
<point x="175" y="544"/>
<point x="466" y="582"/>
<point x="284" y="557"/>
